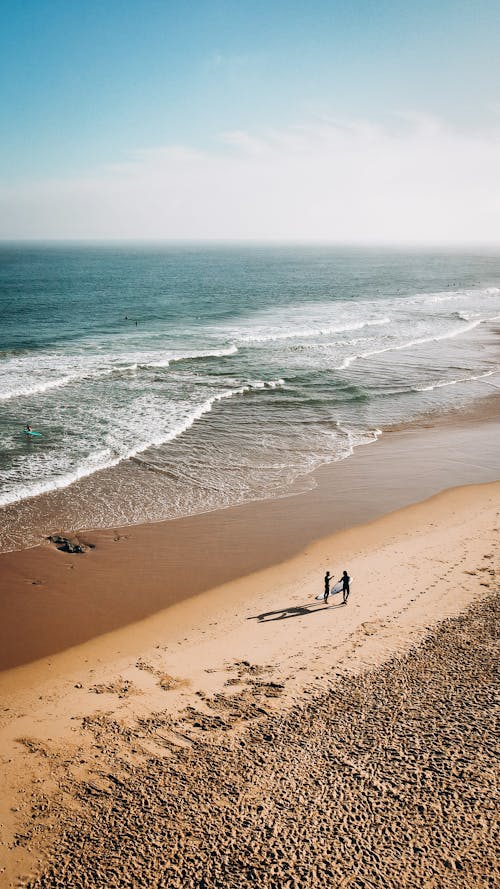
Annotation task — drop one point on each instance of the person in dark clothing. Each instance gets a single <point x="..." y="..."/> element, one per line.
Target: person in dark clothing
<point x="327" y="586"/>
<point x="345" y="587"/>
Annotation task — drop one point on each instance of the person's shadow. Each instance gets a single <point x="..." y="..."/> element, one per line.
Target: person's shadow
<point x="292" y="611"/>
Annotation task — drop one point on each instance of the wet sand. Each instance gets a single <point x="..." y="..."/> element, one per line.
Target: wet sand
<point x="52" y="600"/>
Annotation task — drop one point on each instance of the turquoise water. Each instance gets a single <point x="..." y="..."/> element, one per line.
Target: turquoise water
<point x="171" y="379"/>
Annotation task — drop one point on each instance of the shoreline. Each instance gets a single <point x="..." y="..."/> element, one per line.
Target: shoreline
<point x="62" y="600"/>
<point x="51" y="511"/>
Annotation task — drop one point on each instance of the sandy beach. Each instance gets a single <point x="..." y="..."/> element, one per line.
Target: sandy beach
<point x="386" y="779"/>
<point x="249" y="446"/>
<point x="225" y="728"/>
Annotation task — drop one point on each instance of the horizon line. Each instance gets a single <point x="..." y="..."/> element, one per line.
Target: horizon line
<point x="305" y="242"/>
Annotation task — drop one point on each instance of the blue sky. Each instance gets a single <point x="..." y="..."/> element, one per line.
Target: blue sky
<point x="82" y="81"/>
<point x="84" y="84"/>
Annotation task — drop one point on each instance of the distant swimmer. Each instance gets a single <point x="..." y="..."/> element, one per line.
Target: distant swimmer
<point x="327" y="586"/>
<point x="30" y="433"/>
<point x="345" y="587"/>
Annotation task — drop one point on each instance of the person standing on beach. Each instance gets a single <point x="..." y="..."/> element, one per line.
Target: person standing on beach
<point x="345" y="587"/>
<point x="327" y="586"/>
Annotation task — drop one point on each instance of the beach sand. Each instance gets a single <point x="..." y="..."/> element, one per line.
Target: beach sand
<point x="177" y="709"/>
<point x="386" y="779"/>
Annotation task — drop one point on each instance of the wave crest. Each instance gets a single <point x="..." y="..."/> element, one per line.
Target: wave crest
<point x="106" y="458"/>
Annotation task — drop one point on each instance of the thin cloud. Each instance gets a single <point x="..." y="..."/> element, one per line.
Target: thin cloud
<point x="354" y="181"/>
<point x="245" y="143"/>
<point x="226" y="61"/>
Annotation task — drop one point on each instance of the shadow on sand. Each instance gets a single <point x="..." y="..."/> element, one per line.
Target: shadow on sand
<point x="293" y="611"/>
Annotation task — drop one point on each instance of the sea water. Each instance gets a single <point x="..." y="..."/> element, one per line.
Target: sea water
<point x="171" y="379"/>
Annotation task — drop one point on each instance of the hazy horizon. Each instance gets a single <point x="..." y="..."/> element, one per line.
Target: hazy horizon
<point x="488" y="246"/>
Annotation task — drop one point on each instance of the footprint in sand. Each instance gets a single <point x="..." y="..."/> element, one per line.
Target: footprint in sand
<point x="369" y="628"/>
<point x="121" y="687"/>
<point x="169" y="683"/>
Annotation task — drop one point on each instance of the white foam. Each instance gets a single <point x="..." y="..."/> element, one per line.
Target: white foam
<point x="439" y="384"/>
<point x="115" y="365"/>
<point x="191" y="356"/>
<point x="37" y="388"/>
<point x="408" y="345"/>
<point x="22" y="389"/>
<point x="309" y="332"/>
<point x="358" y="437"/>
<point x="267" y="384"/>
<point x="106" y="458"/>
<point x="448" y="295"/>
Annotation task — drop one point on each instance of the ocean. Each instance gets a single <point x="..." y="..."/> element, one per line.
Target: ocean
<point x="168" y="380"/>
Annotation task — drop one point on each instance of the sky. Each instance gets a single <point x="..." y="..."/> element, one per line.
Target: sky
<point x="352" y="121"/>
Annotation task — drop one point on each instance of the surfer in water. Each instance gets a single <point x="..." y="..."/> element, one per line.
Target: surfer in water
<point x="345" y="587"/>
<point x="28" y="428"/>
<point x="327" y="586"/>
